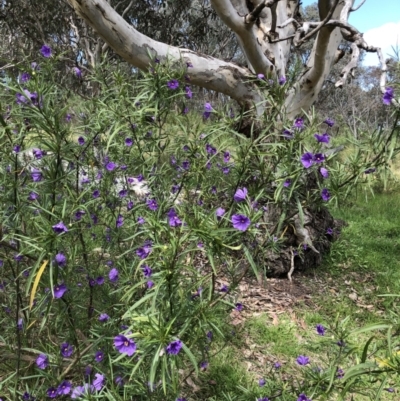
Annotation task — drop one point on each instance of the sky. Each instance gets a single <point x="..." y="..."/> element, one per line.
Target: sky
<point x="379" y="20"/>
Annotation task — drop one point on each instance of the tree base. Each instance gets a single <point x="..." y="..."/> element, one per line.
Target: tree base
<point x="323" y="229"/>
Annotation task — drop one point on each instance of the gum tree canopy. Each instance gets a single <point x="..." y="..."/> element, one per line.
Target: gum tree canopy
<point x="267" y="32"/>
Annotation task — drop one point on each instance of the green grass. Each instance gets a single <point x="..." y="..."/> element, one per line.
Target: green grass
<point x="365" y="260"/>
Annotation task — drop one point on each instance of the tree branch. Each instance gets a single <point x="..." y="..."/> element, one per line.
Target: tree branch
<point x="140" y="51"/>
<point x="247" y="37"/>
<point x="355" y="55"/>
<point x="251" y="17"/>
<point x="359" y="6"/>
<point x="320" y="25"/>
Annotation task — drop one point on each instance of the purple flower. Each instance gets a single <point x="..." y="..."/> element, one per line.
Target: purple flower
<point x="42" y="361"/>
<point x="20" y="98"/>
<point x="98" y="382"/>
<point x="96" y="193"/>
<point x="307" y="159"/>
<point x="277" y="365"/>
<point x="188" y="93"/>
<point x="79" y="214"/>
<point x="80" y="390"/>
<point x="324" y="138"/>
<point x="110" y="166"/>
<point x="174" y="347"/>
<point x="325" y="195"/>
<point x="81" y="140"/>
<point x="52" y="392"/>
<point x="60" y="259"/>
<point x="152" y="204"/>
<point x="239" y="307"/>
<point x="64" y="388"/>
<point x="260" y="76"/>
<point x="25" y="77"/>
<point x="207" y="110"/>
<point x="287" y="183"/>
<point x="320" y="329"/>
<point x="282" y="81"/>
<point x="66" y="350"/>
<point x="210" y="149"/>
<point x="324" y="172"/>
<point x="263" y="399"/>
<point x="141" y="220"/>
<point x="120" y="221"/>
<point x="119" y="381"/>
<point x="240" y="194"/>
<point x="186" y="164"/>
<point x="77" y="72"/>
<point x="298" y="123"/>
<point x="319" y="157"/>
<point x="129" y="205"/>
<point x="227" y="156"/>
<point x="124" y="345"/>
<point x="261" y="382"/>
<point x="60" y="228"/>
<point x="329" y="122"/>
<point x="203" y="365"/>
<point x="113" y="275"/>
<point x="173" y="84"/>
<point x="103" y="317"/>
<point x="36" y="175"/>
<point x="38" y="153"/>
<point x="99" y="356"/>
<point x="144" y="251"/>
<point x="59" y="290"/>
<point x="389" y="389"/>
<point x="370" y="170"/>
<point x="388" y="96"/>
<point x="287" y="134"/>
<point x="128" y="141"/>
<point x="173" y="219"/>
<point x="303" y="360"/>
<point x="17" y="148"/>
<point x="147" y="272"/>
<point x="100" y="280"/>
<point x="27" y="397"/>
<point x="340" y="373"/>
<point x="219" y="213"/>
<point x="33" y="196"/>
<point x="329" y="231"/>
<point x="20" y="324"/>
<point x="150" y="284"/>
<point x="303" y="397"/>
<point x="240" y="222"/>
<point x="46" y="51"/>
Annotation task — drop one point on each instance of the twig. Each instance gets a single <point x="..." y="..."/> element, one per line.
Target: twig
<point x="290" y="272"/>
<point x="251" y="17"/>
<point x="320" y="25"/>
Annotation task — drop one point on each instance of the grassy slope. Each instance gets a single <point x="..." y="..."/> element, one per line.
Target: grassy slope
<point x="364" y="261"/>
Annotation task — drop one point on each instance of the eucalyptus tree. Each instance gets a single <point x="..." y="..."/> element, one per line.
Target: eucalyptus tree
<point x="266" y="31"/>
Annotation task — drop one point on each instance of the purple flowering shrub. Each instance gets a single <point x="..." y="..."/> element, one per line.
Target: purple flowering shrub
<point x="123" y="218"/>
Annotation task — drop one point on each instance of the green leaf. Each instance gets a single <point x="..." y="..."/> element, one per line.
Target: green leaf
<point x="189" y="354"/>
<point x="365" y="350"/>
<point x="370" y="328"/>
